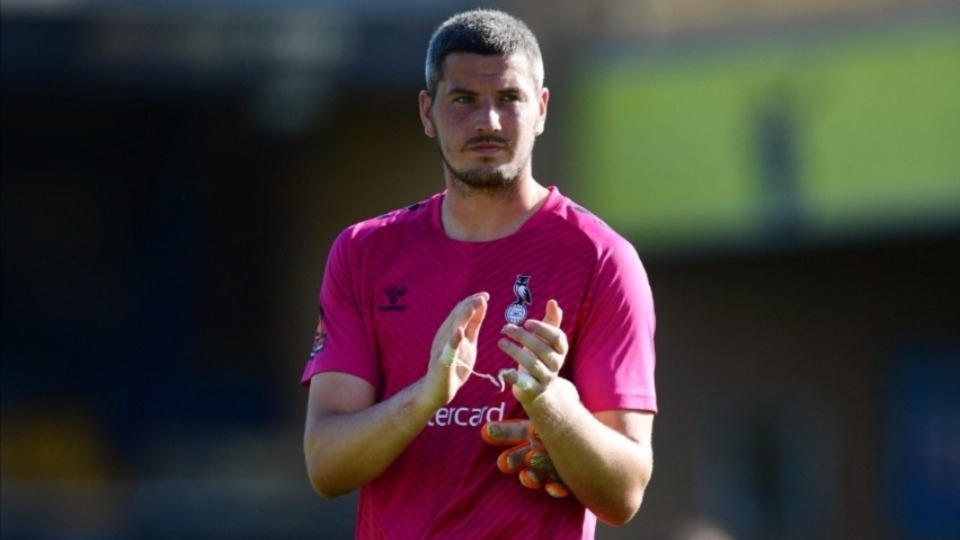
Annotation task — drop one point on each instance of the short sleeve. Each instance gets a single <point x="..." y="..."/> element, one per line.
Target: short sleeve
<point x="342" y="342"/>
<point x="614" y="354"/>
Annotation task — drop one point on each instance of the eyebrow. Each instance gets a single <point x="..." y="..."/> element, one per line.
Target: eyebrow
<point x="462" y="91"/>
<point x="468" y="92"/>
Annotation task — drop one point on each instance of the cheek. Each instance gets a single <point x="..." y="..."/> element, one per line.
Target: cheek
<point x="454" y="116"/>
<point x="531" y="126"/>
<point x="447" y="125"/>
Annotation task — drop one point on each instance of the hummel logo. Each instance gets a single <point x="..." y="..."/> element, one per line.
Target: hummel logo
<point x="393" y="297"/>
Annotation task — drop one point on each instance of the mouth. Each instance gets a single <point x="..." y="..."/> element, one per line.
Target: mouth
<point x="486" y="145"/>
<point x="486" y="149"/>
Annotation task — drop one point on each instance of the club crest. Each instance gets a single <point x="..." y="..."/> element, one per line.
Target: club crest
<point x="517" y="311"/>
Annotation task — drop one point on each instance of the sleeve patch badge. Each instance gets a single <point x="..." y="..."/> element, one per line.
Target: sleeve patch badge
<point x="319" y="338"/>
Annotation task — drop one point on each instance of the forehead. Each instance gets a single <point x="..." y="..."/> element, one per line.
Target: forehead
<point x="468" y="69"/>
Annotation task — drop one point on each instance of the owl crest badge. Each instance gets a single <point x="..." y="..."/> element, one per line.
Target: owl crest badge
<point x="517" y="311"/>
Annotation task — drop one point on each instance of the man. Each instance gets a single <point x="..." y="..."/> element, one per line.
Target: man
<point x="396" y="405"/>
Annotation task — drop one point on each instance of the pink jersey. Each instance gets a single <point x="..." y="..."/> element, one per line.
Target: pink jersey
<point x="389" y="284"/>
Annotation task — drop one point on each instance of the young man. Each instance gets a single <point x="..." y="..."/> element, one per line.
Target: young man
<point x="423" y="307"/>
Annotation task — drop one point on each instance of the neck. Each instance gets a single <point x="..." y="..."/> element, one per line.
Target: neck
<point x="483" y="215"/>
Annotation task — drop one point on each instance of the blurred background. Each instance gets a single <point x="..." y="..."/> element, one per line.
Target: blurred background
<point x="173" y="173"/>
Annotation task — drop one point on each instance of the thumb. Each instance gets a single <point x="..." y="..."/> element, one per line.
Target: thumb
<point x="449" y="354"/>
<point x="477" y="313"/>
<point x="554" y="315"/>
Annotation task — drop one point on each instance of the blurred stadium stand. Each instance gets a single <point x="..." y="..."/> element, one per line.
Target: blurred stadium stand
<point x="174" y="172"/>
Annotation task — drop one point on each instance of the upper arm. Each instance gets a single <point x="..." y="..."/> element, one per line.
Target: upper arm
<point x="335" y="392"/>
<point x="635" y="425"/>
<point x="612" y="349"/>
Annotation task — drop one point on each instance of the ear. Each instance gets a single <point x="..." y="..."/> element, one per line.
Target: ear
<point x="425" y="103"/>
<point x="542" y="120"/>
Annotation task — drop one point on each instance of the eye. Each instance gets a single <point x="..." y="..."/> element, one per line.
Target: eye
<point x="510" y="97"/>
<point x="464" y="99"/>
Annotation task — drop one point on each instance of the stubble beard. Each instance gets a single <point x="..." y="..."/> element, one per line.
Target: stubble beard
<point x="501" y="180"/>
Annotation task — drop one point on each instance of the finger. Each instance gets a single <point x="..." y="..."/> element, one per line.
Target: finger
<point x="505" y="432"/>
<point x="549" y="328"/>
<point x="467" y="309"/>
<point x="461" y="313"/>
<point x="456" y="338"/>
<point x="538" y="459"/>
<point x="546" y="341"/>
<point x="459" y="317"/>
<point x="448" y="355"/>
<point x="478" y="312"/>
<point x="513" y="459"/>
<point x="454" y="344"/>
<point x="541" y="367"/>
<point x="555" y="487"/>
<point x="531" y="479"/>
<point x="521" y="380"/>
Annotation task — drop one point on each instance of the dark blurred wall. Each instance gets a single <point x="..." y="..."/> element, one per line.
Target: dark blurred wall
<point x="135" y="250"/>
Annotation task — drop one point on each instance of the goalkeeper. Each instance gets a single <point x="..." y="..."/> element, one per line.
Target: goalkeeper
<point x="496" y="275"/>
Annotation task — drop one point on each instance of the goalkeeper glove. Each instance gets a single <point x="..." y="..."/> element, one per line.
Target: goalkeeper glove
<point x="526" y="456"/>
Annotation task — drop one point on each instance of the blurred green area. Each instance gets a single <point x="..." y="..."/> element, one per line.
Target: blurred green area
<point x="669" y="143"/>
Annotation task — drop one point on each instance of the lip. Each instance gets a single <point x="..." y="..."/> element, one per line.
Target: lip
<point x="486" y="148"/>
<point x="486" y="144"/>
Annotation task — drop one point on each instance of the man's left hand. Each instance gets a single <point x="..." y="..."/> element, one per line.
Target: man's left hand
<point x="527" y="457"/>
<point x="540" y="348"/>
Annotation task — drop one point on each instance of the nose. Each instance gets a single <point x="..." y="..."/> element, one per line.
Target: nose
<point x="489" y="119"/>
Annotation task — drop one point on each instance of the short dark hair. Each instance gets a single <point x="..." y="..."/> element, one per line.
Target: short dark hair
<point x="481" y="31"/>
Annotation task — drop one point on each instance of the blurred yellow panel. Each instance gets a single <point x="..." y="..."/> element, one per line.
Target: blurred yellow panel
<point x="846" y="133"/>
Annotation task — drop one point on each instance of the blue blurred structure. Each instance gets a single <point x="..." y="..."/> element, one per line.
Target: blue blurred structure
<point x="173" y="174"/>
<point x="921" y="465"/>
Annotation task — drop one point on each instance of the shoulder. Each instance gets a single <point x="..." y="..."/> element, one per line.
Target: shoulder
<point x="381" y="237"/>
<point x="406" y="220"/>
<point x="578" y="224"/>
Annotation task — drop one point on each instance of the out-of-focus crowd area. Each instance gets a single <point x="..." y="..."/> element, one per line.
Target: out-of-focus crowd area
<point x="173" y="174"/>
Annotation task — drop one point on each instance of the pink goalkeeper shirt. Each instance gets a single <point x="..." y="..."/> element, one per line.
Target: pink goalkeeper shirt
<point x="389" y="284"/>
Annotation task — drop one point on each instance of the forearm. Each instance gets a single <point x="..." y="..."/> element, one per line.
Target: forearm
<point x="607" y="471"/>
<point x="345" y="450"/>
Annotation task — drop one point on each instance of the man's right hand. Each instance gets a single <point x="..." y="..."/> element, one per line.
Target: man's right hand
<point x="454" y="350"/>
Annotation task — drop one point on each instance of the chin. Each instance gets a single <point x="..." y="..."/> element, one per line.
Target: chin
<point x="489" y="177"/>
<point x="496" y="179"/>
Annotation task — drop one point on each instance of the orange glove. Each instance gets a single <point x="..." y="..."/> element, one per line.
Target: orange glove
<point x="526" y="455"/>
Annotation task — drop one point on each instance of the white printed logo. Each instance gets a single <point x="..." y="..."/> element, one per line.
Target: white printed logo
<point x="466" y="416"/>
